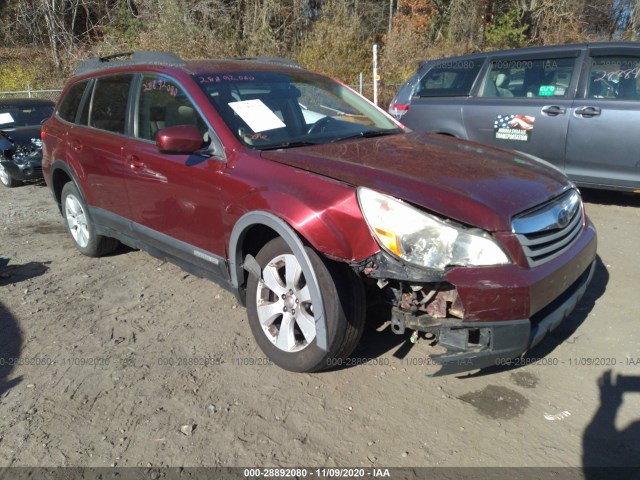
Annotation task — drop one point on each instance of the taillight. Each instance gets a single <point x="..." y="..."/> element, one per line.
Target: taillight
<point x="43" y="133"/>
<point x="398" y="109"/>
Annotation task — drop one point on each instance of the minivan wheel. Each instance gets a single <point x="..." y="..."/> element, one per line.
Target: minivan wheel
<point x="281" y="314"/>
<point x="6" y="179"/>
<point x="80" y="226"/>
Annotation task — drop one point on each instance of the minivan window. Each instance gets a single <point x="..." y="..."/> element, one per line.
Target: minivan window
<point x="70" y="103"/>
<point x="614" y="77"/>
<point x="163" y="103"/>
<point x="529" y="78"/>
<point x="449" y="79"/>
<point x="109" y="104"/>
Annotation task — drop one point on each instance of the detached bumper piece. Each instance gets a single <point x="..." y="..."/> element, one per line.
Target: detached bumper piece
<point x="477" y="345"/>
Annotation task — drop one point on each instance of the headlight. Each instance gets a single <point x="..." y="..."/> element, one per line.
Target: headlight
<point x="424" y="239"/>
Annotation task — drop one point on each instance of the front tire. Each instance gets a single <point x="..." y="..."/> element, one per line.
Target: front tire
<point x="80" y="226"/>
<point x="281" y="312"/>
<point x="6" y="179"/>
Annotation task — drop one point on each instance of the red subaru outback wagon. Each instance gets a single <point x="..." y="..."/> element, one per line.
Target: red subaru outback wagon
<point x="299" y="195"/>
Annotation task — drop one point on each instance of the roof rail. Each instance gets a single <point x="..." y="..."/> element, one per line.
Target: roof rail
<point x="130" y="58"/>
<point x="275" y="60"/>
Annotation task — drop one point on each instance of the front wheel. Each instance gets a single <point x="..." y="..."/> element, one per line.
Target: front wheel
<point x="281" y="313"/>
<point x="6" y="179"/>
<point x="81" y="227"/>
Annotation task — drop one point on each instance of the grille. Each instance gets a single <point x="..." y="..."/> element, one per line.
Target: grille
<point x="547" y="231"/>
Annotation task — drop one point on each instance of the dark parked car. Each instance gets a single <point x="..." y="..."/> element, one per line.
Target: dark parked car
<point x="575" y="106"/>
<point x="296" y="193"/>
<point x="20" y="144"/>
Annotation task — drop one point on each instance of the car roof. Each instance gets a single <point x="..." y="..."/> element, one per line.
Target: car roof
<point x="24" y="102"/>
<point x="140" y="59"/>
<point x="539" y="49"/>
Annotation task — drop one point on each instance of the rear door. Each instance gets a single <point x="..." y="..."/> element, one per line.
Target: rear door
<point x="603" y="146"/>
<point x="96" y="142"/>
<point x="523" y="103"/>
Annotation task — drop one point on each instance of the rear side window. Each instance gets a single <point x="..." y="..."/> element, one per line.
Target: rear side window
<point x="109" y="105"/>
<point x="529" y="78"/>
<point x="70" y="103"/>
<point x="615" y="77"/>
<point x="449" y="79"/>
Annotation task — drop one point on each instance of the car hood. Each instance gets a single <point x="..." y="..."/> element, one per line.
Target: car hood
<point x="24" y="135"/>
<point x="468" y="182"/>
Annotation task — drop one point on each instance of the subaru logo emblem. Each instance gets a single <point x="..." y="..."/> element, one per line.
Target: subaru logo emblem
<point x="563" y="218"/>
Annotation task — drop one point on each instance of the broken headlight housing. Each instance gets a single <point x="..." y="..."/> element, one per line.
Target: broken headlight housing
<point x="423" y="239"/>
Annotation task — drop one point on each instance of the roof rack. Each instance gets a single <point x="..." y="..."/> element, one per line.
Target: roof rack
<point x="130" y="58"/>
<point x="275" y="60"/>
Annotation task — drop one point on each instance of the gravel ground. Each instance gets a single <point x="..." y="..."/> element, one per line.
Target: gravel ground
<point x="129" y="361"/>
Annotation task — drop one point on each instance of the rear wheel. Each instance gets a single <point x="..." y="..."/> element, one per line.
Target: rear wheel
<point x="281" y="313"/>
<point x="6" y="179"/>
<point x="80" y="225"/>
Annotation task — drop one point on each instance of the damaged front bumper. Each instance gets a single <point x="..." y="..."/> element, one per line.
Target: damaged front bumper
<point x="476" y="345"/>
<point x="484" y="317"/>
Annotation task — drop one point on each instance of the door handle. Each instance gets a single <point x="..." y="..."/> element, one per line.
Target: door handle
<point x="76" y="145"/>
<point x="134" y="162"/>
<point x="588" y="111"/>
<point x="553" y="110"/>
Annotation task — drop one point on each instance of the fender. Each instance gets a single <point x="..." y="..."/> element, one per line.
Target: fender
<point x="337" y="229"/>
<point x="64" y="166"/>
<point x="293" y="241"/>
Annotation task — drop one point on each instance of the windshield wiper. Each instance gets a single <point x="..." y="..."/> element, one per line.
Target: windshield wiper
<point x="297" y="143"/>
<point x="367" y="134"/>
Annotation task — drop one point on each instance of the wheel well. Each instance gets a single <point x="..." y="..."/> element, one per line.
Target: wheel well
<point x="254" y="238"/>
<point x="59" y="179"/>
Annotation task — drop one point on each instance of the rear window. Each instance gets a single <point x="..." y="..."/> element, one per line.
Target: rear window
<point x="71" y="101"/>
<point x="449" y="79"/>
<point x="615" y="77"/>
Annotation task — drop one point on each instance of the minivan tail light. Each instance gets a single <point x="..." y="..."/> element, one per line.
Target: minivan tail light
<point x="398" y="109"/>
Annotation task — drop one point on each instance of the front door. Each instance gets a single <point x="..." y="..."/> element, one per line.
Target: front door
<point x="174" y="198"/>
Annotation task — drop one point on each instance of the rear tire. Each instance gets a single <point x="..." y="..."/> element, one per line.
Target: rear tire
<point x="281" y="313"/>
<point x="80" y="225"/>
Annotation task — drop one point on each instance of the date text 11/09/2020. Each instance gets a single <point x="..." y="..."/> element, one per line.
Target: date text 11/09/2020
<point x="316" y="472"/>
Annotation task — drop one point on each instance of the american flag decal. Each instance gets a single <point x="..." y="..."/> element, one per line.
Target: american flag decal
<point x="522" y="122"/>
<point x="513" y="127"/>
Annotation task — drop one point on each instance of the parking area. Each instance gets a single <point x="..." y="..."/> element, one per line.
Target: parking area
<point x="129" y="361"/>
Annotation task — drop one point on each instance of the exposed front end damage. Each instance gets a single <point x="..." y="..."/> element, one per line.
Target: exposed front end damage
<point x="437" y="308"/>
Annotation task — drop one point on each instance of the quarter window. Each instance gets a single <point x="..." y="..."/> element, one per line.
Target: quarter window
<point x="529" y="78"/>
<point x="450" y="79"/>
<point x="109" y="105"/>
<point x="163" y="103"/>
<point x="70" y="103"/>
<point x="614" y="78"/>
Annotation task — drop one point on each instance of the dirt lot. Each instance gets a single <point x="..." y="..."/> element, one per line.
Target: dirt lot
<point x="129" y="361"/>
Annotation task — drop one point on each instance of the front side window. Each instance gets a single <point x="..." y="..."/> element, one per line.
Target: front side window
<point x="529" y="78"/>
<point x="449" y="79"/>
<point x="163" y="103"/>
<point x="614" y="77"/>
<point x="285" y="109"/>
<point x="71" y="102"/>
<point x="109" y="104"/>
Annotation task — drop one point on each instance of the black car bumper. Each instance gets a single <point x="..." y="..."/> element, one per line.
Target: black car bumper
<point x="23" y="172"/>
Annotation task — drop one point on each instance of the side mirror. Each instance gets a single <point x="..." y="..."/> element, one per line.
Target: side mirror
<point x="179" y="139"/>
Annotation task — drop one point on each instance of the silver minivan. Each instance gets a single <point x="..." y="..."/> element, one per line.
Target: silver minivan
<point x="576" y="106"/>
